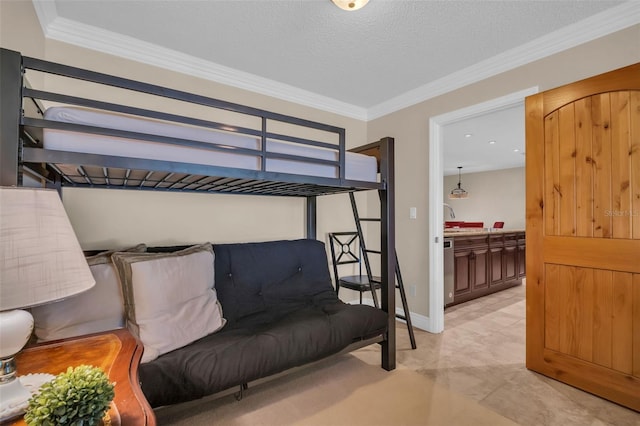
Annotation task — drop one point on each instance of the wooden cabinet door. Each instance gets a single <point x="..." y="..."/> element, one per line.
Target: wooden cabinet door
<point x="510" y="263"/>
<point x="583" y="234"/>
<point x="522" y="255"/>
<point x="462" y="272"/>
<point x="496" y="271"/>
<point x="478" y="266"/>
<point x="510" y="257"/>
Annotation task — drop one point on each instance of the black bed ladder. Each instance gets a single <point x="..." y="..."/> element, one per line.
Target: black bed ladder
<point x="372" y="280"/>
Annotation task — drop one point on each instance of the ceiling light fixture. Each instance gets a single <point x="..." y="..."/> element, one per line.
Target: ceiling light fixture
<point x="468" y="135"/>
<point x="492" y="142"/>
<point x="458" y="192"/>
<point x="350" y="4"/>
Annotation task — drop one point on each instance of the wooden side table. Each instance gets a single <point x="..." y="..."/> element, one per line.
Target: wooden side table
<point x="117" y="352"/>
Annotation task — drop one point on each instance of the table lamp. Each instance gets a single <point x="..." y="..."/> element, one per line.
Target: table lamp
<point x="40" y="261"/>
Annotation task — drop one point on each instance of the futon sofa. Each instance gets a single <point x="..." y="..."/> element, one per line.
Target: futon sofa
<point x="213" y="317"/>
<point x="281" y="311"/>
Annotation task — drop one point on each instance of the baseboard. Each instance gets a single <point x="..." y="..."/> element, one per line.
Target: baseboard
<point x="418" y="321"/>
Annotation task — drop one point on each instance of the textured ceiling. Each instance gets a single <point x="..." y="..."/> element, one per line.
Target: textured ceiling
<point x="361" y="58"/>
<point x="362" y="64"/>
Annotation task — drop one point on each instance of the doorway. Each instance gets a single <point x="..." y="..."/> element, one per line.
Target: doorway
<point x="435" y="322"/>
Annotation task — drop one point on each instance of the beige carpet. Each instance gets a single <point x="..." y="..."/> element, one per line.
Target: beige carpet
<point x="343" y="390"/>
<point x="471" y="374"/>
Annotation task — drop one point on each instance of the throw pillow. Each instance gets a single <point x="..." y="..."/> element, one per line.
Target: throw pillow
<point x="170" y="300"/>
<point x="100" y="308"/>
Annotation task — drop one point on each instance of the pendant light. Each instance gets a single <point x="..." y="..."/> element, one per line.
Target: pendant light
<point x="350" y="4"/>
<point x="458" y="192"/>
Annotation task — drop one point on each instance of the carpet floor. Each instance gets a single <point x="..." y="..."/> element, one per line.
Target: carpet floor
<point x="343" y="390"/>
<point x="471" y="374"/>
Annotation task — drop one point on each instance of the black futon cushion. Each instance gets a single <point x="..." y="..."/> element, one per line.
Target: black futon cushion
<point x="282" y="312"/>
<point x="250" y="277"/>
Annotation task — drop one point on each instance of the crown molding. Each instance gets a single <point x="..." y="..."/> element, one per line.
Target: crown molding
<point x="90" y="37"/>
<point x="47" y="13"/>
<point x="596" y="26"/>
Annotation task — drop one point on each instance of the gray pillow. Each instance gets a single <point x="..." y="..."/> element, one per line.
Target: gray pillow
<point x="170" y="300"/>
<point x="100" y="308"/>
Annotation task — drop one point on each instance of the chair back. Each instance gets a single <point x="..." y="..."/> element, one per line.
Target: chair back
<point x="498" y="225"/>
<point x="345" y="249"/>
<point x="473" y="225"/>
<point x="453" y="223"/>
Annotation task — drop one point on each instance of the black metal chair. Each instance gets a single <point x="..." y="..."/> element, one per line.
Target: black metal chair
<point x="346" y="249"/>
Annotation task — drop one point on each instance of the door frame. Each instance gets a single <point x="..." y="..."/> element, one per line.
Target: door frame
<point x="436" y="162"/>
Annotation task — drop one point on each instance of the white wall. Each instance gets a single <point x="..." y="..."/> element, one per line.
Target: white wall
<point x="493" y="196"/>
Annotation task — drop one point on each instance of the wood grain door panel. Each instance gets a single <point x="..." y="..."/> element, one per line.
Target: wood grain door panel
<point x="583" y="234"/>
<point x="589" y="314"/>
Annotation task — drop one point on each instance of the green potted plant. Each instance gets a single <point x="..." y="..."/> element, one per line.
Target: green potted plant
<point x="78" y="397"/>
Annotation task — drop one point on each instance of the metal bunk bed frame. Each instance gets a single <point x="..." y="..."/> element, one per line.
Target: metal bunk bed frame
<point x="22" y="153"/>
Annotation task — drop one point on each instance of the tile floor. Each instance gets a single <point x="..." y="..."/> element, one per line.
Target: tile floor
<point x="481" y="356"/>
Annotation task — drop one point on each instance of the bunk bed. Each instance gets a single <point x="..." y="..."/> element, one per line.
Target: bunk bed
<point x="168" y="150"/>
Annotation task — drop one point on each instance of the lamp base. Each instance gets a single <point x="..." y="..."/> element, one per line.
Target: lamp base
<point x="14" y="399"/>
<point x="15" y="330"/>
<point x="14" y="396"/>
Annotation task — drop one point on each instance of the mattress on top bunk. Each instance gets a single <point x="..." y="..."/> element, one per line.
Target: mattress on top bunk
<point x="357" y="166"/>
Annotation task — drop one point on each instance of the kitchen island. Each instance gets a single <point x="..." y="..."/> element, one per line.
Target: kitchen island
<point x="485" y="261"/>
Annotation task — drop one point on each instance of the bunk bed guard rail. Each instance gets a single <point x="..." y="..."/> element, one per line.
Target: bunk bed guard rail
<point x="108" y="170"/>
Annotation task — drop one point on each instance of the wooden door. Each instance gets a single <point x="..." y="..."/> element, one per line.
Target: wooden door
<point x="583" y="234"/>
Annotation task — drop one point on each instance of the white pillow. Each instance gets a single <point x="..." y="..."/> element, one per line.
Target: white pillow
<point x="100" y="308"/>
<point x="169" y="297"/>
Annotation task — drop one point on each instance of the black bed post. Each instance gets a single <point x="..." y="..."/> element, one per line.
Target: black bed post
<point x="10" y="107"/>
<point x="311" y="217"/>
<point x="388" y="248"/>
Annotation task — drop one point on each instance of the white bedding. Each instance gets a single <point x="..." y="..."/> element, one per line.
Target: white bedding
<point x="358" y="167"/>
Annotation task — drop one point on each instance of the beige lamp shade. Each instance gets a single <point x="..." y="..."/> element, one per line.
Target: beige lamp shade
<point x="40" y="257"/>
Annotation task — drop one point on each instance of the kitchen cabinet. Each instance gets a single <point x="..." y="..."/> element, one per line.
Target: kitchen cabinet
<point x="510" y="257"/>
<point x="496" y="254"/>
<point x="486" y="262"/>
<point x="471" y="256"/>
<point x="522" y="258"/>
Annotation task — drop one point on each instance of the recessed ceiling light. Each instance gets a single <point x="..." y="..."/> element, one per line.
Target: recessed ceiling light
<point x="468" y="135"/>
<point x="516" y="150"/>
<point x="492" y="142"/>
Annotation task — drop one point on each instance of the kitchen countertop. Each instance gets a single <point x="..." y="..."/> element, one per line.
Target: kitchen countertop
<point x="474" y="232"/>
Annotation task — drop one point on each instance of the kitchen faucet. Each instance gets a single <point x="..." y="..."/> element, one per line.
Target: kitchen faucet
<point x="452" y="215"/>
